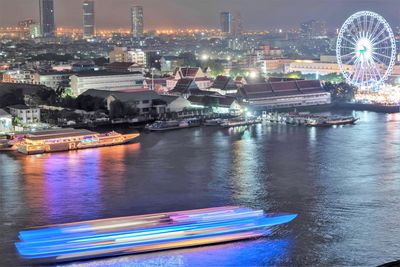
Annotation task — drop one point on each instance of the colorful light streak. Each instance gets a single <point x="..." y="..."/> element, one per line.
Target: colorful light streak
<point x="145" y="233"/>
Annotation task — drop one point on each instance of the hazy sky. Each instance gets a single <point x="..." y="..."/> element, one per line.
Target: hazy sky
<point x="257" y="14"/>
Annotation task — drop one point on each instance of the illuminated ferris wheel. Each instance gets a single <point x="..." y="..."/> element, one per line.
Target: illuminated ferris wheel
<point x="366" y="50"/>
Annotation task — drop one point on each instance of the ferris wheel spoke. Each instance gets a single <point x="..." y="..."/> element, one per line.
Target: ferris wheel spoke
<point x="383" y="47"/>
<point x="378" y="60"/>
<point x="375" y="29"/>
<point x="347" y="47"/>
<point x="371" y="23"/>
<point x="348" y="40"/>
<point x="357" y="71"/>
<point x="382" y="55"/>
<point x="381" y="41"/>
<point x="351" y="59"/>
<point x="353" y="31"/>
<point x="376" y="69"/>
<point x="346" y="55"/>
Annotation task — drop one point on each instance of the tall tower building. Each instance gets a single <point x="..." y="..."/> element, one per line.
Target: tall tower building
<point x="226" y="21"/>
<point x="137" y="21"/>
<point x="237" y="24"/>
<point x="46" y="9"/>
<point x="88" y="19"/>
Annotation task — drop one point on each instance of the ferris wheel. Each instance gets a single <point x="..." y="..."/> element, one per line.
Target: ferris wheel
<point x="366" y="50"/>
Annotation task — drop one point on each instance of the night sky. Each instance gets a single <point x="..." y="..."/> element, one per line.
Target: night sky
<point x="257" y="14"/>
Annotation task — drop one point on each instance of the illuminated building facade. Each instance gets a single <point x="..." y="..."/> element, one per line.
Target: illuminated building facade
<point x="46" y="9"/>
<point x="107" y="81"/>
<point x="123" y="54"/>
<point x="137" y="23"/>
<point x="88" y="19"/>
<point x="26" y="114"/>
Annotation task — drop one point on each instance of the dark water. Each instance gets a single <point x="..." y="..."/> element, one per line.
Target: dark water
<point x="343" y="182"/>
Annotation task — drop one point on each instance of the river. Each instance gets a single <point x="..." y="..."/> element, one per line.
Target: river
<point x="343" y="182"/>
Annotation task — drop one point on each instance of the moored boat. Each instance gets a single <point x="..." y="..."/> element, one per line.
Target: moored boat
<point x="70" y="139"/>
<point x="236" y="122"/>
<point x="331" y="121"/>
<point x="213" y="122"/>
<point x="174" y="124"/>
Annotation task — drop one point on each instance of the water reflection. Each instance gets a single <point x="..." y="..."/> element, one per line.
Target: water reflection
<point x="274" y="251"/>
<point x="72" y="182"/>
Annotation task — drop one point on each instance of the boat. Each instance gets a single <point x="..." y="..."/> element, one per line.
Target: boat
<point x="173" y="124"/>
<point x="145" y="233"/>
<point x="236" y="122"/>
<point x="342" y="120"/>
<point x="331" y="121"/>
<point x="213" y="122"/>
<point x="70" y="139"/>
<point x="12" y="142"/>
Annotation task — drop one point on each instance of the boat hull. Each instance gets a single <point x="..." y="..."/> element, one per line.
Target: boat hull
<point x="145" y="233"/>
<point x="76" y="145"/>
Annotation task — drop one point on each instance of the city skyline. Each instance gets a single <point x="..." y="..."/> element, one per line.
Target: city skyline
<point x="185" y="13"/>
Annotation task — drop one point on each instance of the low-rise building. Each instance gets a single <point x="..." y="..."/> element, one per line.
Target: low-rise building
<point x="218" y="104"/>
<point x="123" y="54"/>
<point x="25" y="114"/>
<point x="194" y="73"/>
<point x="53" y="79"/>
<point x="157" y="84"/>
<point x="316" y="67"/>
<point x="109" y="81"/>
<point x="144" y="102"/>
<point x="124" y="67"/>
<point x="285" y="94"/>
<point x="5" y="121"/>
<point x="224" y="85"/>
<point x="170" y="63"/>
<point x="17" y="76"/>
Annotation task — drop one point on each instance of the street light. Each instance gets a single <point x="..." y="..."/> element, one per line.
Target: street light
<point x="152" y="78"/>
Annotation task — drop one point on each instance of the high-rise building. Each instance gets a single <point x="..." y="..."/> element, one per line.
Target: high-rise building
<point x="237" y="24"/>
<point x="88" y="19"/>
<point x="46" y="9"/>
<point x="137" y="21"/>
<point x="34" y="31"/>
<point x="313" y="28"/>
<point x="225" y="21"/>
<point x="24" y="27"/>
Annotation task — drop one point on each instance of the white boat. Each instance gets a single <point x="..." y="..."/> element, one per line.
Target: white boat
<point x="173" y="125"/>
<point x="70" y="139"/>
<point x="240" y="122"/>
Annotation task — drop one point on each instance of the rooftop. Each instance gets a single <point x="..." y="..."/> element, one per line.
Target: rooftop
<point x="106" y="73"/>
<point x="282" y="88"/>
<point x="20" y="106"/>
<point x="3" y="113"/>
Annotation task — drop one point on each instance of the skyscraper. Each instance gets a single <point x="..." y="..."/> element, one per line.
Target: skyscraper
<point x="46" y="9"/>
<point x="137" y="21"/>
<point x="237" y="24"/>
<point x="88" y="19"/>
<point x="226" y="21"/>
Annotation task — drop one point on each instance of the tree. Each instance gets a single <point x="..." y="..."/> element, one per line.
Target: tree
<point x="216" y="68"/>
<point x="116" y="109"/>
<point x="341" y="92"/>
<point x="236" y="72"/>
<point x="189" y="59"/>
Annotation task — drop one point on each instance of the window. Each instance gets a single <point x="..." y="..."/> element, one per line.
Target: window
<point x="145" y="109"/>
<point x="145" y="101"/>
